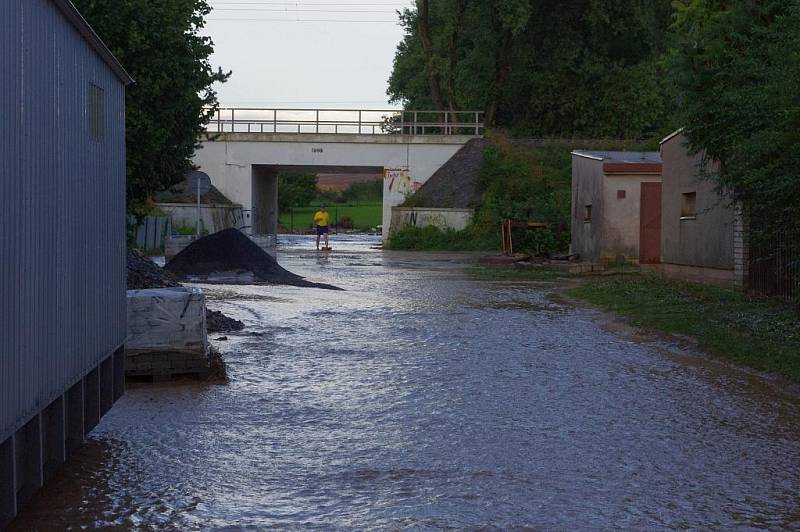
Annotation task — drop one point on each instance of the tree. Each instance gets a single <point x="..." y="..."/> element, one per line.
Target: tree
<point x="172" y="99"/>
<point x="736" y="67"/>
<point x="296" y="190"/>
<point x="544" y="67"/>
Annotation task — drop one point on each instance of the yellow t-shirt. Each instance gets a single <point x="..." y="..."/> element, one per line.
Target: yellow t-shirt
<point x="321" y="219"/>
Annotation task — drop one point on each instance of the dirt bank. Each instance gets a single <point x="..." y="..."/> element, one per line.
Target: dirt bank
<point x="455" y="184"/>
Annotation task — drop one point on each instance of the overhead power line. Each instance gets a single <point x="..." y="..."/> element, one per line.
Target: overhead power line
<point x="301" y="20"/>
<point x="302" y="4"/>
<point x="250" y="9"/>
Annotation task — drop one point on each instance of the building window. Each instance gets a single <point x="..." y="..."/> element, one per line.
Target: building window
<point x="688" y="205"/>
<point x="96" y="113"/>
<point x="621" y="194"/>
<point x="587" y="214"/>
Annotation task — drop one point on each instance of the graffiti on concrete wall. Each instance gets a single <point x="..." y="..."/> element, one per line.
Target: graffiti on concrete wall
<point x="426" y="218"/>
<point x="400" y="180"/>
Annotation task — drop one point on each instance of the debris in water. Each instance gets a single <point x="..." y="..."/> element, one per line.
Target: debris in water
<point x="217" y="370"/>
<point x="217" y="322"/>
<point x="230" y="250"/>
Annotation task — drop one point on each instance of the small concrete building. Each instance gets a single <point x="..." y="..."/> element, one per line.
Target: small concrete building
<point x="62" y="240"/>
<point x="616" y="206"/>
<point x="702" y="231"/>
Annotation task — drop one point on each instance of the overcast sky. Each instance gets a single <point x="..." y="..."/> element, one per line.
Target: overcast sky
<point x="280" y="58"/>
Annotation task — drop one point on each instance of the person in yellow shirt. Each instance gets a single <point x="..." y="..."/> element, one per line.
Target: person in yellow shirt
<point x="322" y="221"/>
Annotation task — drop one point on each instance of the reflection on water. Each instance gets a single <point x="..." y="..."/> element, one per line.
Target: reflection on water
<point x="422" y="398"/>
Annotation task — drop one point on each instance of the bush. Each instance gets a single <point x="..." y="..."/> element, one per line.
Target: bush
<point x="431" y="238"/>
<point x="345" y="222"/>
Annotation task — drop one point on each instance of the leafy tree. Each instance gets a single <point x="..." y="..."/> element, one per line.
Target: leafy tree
<point x="545" y="67"/>
<point x="736" y="66"/>
<point x="365" y="191"/>
<point x="296" y="190"/>
<point x="172" y="98"/>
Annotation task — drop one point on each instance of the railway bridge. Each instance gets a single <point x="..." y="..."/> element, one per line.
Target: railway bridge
<point x="244" y="150"/>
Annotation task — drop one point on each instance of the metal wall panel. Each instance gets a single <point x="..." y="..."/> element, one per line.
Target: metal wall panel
<point x="62" y="210"/>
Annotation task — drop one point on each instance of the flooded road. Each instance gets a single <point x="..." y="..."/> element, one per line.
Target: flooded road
<point x="422" y="398"/>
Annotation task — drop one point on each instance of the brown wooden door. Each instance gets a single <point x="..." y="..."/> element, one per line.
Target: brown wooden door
<point x="650" y="222"/>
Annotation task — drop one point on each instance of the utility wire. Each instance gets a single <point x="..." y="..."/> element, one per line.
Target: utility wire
<point x="299" y="4"/>
<point x="300" y="20"/>
<point x="299" y="10"/>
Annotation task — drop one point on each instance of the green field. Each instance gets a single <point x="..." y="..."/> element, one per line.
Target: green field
<point x="365" y="216"/>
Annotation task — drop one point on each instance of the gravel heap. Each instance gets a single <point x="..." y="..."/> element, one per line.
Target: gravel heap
<point x="454" y="185"/>
<point x="231" y="251"/>
<point x="143" y="273"/>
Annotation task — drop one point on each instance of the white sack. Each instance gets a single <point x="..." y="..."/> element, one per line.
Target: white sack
<point x="167" y="319"/>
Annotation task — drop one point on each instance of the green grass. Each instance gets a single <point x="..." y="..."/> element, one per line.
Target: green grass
<point x="365" y="216"/>
<point x="764" y="335"/>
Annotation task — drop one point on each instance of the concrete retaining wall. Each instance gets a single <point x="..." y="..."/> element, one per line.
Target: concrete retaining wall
<point x="213" y="218"/>
<point x="456" y="219"/>
<point x="176" y="244"/>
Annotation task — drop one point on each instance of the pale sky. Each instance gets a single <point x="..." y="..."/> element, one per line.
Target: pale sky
<point x="281" y="59"/>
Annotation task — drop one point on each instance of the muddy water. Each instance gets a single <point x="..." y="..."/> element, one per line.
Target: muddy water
<point x="421" y="398"/>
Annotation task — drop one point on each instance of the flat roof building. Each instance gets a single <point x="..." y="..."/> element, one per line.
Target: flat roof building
<point x="616" y="205"/>
<point x="702" y="230"/>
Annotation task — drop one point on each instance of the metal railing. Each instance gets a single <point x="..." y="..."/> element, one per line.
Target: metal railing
<point x="346" y="121"/>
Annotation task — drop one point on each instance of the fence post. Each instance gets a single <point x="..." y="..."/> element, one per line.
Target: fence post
<point x="359" y="122"/>
<point x="233" y="120"/>
<point x="317" y="120"/>
<point x="274" y="120"/>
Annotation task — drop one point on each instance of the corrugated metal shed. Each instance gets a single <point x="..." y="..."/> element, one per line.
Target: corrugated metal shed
<point x="62" y="207"/>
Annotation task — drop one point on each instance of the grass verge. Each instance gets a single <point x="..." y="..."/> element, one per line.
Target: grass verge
<point x="764" y="335"/>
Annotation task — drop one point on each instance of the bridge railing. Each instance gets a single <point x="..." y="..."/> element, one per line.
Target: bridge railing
<point x="346" y="121"/>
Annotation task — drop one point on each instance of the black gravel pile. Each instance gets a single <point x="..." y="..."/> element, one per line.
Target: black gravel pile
<point x="454" y="185"/>
<point x="217" y="322"/>
<point x="231" y="251"/>
<point x="143" y="273"/>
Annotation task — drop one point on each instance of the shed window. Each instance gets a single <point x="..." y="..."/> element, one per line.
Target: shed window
<point x="689" y="205"/>
<point x="621" y="194"/>
<point x="96" y="113"/>
<point x="587" y="215"/>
